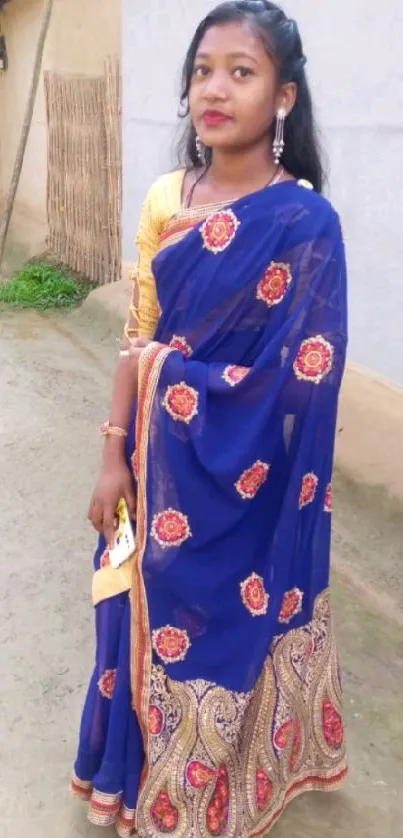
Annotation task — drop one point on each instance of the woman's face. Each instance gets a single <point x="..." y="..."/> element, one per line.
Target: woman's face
<point x="234" y="94"/>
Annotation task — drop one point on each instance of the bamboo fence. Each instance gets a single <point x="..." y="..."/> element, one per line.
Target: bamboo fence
<point x="84" y="172"/>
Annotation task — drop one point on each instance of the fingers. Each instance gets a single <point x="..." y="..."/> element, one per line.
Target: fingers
<point x="130" y="498"/>
<point x="95" y="515"/>
<point x="109" y="526"/>
<point x="129" y="494"/>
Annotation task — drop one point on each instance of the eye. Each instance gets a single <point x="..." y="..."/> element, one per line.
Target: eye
<point x="200" y="71"/>
<point x="242" y="72"/>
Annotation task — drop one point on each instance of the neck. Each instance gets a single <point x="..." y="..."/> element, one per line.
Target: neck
<point x="243" y="167"/>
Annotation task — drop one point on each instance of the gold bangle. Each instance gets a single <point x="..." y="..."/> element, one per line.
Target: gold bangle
<point x="112" y="430"/>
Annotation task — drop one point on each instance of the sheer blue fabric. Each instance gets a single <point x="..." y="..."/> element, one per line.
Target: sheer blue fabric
<point x="239" y="461"/>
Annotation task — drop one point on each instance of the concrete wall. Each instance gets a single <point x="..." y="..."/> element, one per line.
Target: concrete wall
<point x="20" y="25"/>
<point x="354" y="64"/>
<point x="81" y="36"/>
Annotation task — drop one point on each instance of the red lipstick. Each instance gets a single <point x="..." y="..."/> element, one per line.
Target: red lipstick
<point x="212" y="118"/>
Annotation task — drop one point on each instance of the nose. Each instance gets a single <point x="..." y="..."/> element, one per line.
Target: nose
<point x="215" y="87"/>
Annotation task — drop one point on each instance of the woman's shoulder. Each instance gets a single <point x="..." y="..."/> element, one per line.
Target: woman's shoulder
<point x="167" y="190"/>
<point x="315" y="202"/>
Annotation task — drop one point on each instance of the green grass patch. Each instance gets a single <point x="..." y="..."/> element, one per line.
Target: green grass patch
<point x="42" y="285"/>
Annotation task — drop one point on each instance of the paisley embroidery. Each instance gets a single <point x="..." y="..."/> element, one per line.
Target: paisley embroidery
<point x="291" y="605"/>
<point x="155" y="720"/>
<point x="164" y="814"/>
<point x="170" y="528"/>
<point x="314" y="360"/>
<point x="283" y="734"/>
<point x="252" y="480"/>
<point x="199" y="774"/>
<point x="264" y="790"/>
<point x="106" y="683"/>
<point x="181" y="402"/>
<point x="218" y="810"/>
<point x="233" y="375"/>
<point x="275" y="283"/>
<point x="171" y="644"/>
<point x="219" y="230"/>
<point x="333" y="728"/>
<point x="223" y="782"/>
<point x="254" y="596"/>
<point x="310" y="484"/>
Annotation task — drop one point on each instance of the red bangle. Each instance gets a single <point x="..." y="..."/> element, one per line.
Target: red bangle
<point x="112" y="430"/>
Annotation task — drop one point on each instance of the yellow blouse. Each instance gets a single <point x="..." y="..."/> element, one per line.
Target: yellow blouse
<point x="163" y="201"/>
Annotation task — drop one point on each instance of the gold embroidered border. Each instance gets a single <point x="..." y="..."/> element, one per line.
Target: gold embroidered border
<point x="104" y="809"/>
<point x="308" y="783"/>
<point x="213" y="748"/>
<point x="184" y="221"/>
<point x="151" y="362"/>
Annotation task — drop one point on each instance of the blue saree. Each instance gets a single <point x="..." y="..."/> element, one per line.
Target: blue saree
<point x="216" y="695"/>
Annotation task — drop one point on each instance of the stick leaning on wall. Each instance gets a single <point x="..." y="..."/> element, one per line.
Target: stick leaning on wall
<point x="19" y="159"/>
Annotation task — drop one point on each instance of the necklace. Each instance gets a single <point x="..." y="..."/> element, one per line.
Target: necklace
<point x="276" y="177"/>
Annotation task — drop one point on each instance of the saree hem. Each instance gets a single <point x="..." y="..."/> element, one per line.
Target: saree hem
<point x="104" y="809"/>
<point x="318" y="782"/>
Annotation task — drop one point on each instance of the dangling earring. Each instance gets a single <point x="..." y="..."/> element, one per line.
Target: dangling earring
<point x="278" y="142"/>
<point x="201" y="150"/>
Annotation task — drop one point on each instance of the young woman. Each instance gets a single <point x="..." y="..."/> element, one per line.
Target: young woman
<point x="216" y="696"/>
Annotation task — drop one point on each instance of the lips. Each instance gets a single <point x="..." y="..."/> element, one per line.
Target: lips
<point x="212" y="118"/>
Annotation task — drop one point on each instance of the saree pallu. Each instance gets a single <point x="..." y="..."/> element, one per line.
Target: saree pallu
<point x="216" y="696"/>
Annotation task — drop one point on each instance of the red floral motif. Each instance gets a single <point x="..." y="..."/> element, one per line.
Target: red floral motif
<point x="283" y="735"/>
<point x="105" y="559"/>
<point x="106" y="683"/>
<point x="290" y="729"/>
<point x="232" y="374"/>
<point x="314" y="360"/>
<point x="135" y="464"/>
<point x="254" y="596"/>
<point x="155" y="720"/>
<point x="164" y="814"/>
<point x="264" y="790"/>
<point x="328" y="498"/>
<point x="219" y="230"/>
<point x="170" y="528"/>
<point x="275" y="283"/>
<point x="252" y="480"/>
<point x="308" y="489"/>
<point x="171" y="644"/>
<point x="180" y="343"/>
<point x="332" y="726"/>
<point x="218" y="809"/>
<point x="181" y="402"/>
<point x="199" y="774"/>
<point x="291" y="605"/>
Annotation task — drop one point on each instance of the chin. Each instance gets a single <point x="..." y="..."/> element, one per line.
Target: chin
<point x="226" y="147"/>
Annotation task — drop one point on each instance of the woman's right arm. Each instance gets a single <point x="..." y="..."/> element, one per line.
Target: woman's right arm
<point x="115" y="480"/>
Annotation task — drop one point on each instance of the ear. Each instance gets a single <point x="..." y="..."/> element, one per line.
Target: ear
<point x="287" y="97"/>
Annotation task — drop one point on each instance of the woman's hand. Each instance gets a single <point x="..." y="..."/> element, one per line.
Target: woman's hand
<point x="115" y="482"/>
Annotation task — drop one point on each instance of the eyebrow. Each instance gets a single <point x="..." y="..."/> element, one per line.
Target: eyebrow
<point x="231" y="55"/>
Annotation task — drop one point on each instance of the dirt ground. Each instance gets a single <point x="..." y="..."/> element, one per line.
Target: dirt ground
<point x="55" y="380"/>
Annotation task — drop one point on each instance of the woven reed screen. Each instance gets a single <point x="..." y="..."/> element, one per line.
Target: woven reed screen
<point x="84" y="172"/>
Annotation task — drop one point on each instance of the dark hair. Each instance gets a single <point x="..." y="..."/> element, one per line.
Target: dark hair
<point x="281" y="38"/>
